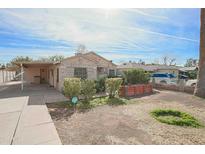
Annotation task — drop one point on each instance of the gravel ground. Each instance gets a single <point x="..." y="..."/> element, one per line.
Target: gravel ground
<point x="131" y="124"/>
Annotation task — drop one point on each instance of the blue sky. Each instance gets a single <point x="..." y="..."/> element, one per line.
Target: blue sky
<point x="117" y="34"/>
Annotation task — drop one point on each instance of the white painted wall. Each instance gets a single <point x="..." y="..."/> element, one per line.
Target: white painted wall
<point x="6" y="76"/>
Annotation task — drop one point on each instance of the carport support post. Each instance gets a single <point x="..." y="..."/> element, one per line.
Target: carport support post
<point x="3" y="74"/>
<point x="22" y="77"/>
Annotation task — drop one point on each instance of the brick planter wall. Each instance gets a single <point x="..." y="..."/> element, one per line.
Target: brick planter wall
<point x="135" y="90"/>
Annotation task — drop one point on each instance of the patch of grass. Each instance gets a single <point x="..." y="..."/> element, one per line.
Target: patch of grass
<point x="174" y="117"/>
<point x="83" y="105"/>
<point x="101" y="101"/>
<point x="117" y="101"/>
<point x="92" y="103"/>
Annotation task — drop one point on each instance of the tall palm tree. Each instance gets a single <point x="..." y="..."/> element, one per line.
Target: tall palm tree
<point x="200" y="87"/>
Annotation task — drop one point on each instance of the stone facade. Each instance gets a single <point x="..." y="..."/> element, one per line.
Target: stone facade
<point x="90" y="61"/>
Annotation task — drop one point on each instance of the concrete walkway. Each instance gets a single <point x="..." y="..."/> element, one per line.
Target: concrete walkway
<point x="24" y="116"/>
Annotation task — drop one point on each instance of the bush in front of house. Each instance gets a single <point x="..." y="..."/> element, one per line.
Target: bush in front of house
<point x="88" y="89"/>
<point x="112" y="86"/>
<point x="100" y="84"/>
<point x="72" y="87"/>
<point x="136" y="76"/>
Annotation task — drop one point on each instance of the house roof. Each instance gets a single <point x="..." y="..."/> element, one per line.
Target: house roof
<point x="47" y="63"/>
<point x="147" y="67"/>
<point x="86" y="57"/>
<point x="185" y="69"/>
<point x="135" y="65"/>
<point x="109" y="61"/>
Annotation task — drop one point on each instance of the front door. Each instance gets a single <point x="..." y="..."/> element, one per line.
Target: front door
<point x="43" y="76"/>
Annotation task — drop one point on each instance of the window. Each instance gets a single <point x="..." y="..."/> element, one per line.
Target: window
<point x="80" y="73"/>
<point x="111" y="73"/>
<point x="57" y="74"/>
<point x="100" y="70"/>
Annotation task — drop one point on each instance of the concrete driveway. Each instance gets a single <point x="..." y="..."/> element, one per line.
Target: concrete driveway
<point x="24" y="116"/>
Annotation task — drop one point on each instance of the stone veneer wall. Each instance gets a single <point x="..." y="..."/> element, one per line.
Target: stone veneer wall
<point x="65" y="72"/>
<point x="66" y="68"/>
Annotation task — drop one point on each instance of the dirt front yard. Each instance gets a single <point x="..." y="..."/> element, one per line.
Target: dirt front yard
<point x="131" y="123"/>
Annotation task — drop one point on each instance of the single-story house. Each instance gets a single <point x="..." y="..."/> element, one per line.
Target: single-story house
<point x="188" y="69"/>
<point x="86" y="66"/>
<point x="149" y="68"/>
<point x="189" y="72"/>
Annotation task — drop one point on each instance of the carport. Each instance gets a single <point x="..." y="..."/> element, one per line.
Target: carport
<point x="37" y="72"/>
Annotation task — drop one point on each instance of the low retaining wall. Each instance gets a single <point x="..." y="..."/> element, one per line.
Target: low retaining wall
<point x="135" y="90"/>
<point x="187" y="89"/>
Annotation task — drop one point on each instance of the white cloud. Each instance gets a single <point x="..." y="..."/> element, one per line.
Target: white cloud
<point x="85" y="26"/>
<point x="107" y="30"/>
<point x="145" y="12"/>
<point x="35" y="53"/>
<point x="117" y="56"/>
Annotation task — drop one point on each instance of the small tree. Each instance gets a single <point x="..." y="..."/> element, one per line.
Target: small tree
<point x="169" y="61"/>
<point x="192" y="74"/>
<point x="2" y="66"/>
<point x="54" y="58"/>
<point x="136" y="76"/>
<point x="88" y="89"/>
<point x="113" y="86"/>
<point x="19" y="59"/>
<point x="191" y="62"/>
<point x="72" y="87"/>
<point x="81" y="49"/>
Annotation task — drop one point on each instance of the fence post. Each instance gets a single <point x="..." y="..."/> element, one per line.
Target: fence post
<point x="153" y="82"/>
<point x="181" y="85"/>
<point x="22" y="77"/>
<point x="3" y="76"/>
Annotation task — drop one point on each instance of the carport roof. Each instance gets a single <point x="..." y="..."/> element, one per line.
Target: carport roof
<point x="9" y="68"/>
<point x="36" y="63"/>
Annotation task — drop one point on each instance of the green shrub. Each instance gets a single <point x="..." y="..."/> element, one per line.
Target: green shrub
<point x="72" y="87"/>
<point x="88" y="89"/>
<point x="113" y="86"/>
<point x="173" y="117"/>
<point x="136" y="76"/>
<point x="100" y="84"/>
<point x="192" y="74"/>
